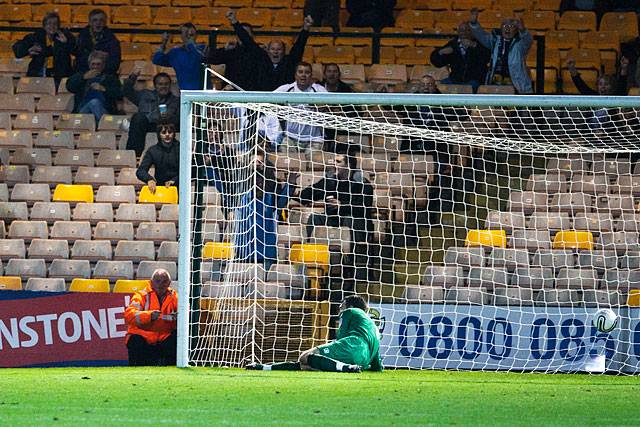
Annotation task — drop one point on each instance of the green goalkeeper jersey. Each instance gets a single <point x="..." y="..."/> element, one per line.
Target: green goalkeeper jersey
<point x="355" y="322"/>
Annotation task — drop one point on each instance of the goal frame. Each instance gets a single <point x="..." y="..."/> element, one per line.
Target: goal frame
<point x="188" y="98"/>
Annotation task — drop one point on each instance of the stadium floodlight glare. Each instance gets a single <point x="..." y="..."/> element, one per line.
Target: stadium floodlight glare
<point x="488" y="228"/>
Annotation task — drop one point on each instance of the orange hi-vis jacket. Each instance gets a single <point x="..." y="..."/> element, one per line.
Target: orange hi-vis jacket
<point x="138" y="315"/>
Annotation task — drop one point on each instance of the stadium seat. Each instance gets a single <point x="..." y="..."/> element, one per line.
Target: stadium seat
<point x="573" y="240"/>
<point x="12" y="139"/>
<point x="496" y="90"/>
<point x="55" y="139"/>
<point x="577" y="20"/>
<point x="50" y="212"/>
<point x="624" y="23"/>
<point x="593" y="222"/>
<point x="134" y="251"/>
<point x="33" y="121"/>
<point x="94" y="176"/>
<point x="629" y="184"/>
<point x="211" y="17"/>
<point x="389" y="73"/>
<point x="127" y="176"/>
<point x="562" y="39"/>
<point x="156" y="231"/>
<point x="71" y="230"/>
<point x="10" y="211"/>
<point x="113" y="123"/>
<point x="493" y="18"/>
<point x="8" y="283"/>
<point x="611" y="167"/>
<point x="91" y="250"/>
<point x="30" y="157"/>
<point x="136" y="51"/>
<point x="25" y="268"/>
<point x="89" y="285"/>
<point x="504" y="220"/>
<point x="464" y="257"/>
<point x="59" y="103"/>
<point x="571" y="202"/>
<point x="590" y="184"/>
<point x="116" y="194"/>
<point x="217" y="250"/>
<point x="455" y="89"/>
<point x="468" y="296"/>
<point x="74" y="158"/>
<point x="162" y="195"/>
<point x="36" y="85"/>
<point x="135" y="214"/>
<point x="619" y="279"/>
<point x="13" y="66"/>
<point x="172" y="15"/>
<point x="113" y="231"/>
<point x="19" y="102"/>
<point x="547" y="183"/>
<point x="488" y="277"/>
<point x="45" y="285"/>
<point x="535" y="278"/>
<point x="577" y="278"/>
<point x="129" y="286"/>
<point x="258" y="17"/>
<point x="48" y="249"/>
<point x="76" y="122"/>
<point x="93" y="212"/>
<point x="146" y="268"/>
<point x="491" y="238"/>
<point x="531" y="239"/>
<point x="113" y="270"/>
<point x="132" y="15"/>
<point x="589" y="76"/>
<point x="508" y="258"/>
<point x="5" y="121"/>
<point x="599" y="259"/>
<point x="73" y="193"/>
<point x="601" y="40"/>
<point x="615" y="204"/>
<point x="168" y="251"/>
<point x="555" y="258"/>
<point x="4" y="192"/>
<point x="627" y="222"/>
<point x="446" y="276"/>
<point x="169" y="213"/>
<point x="619" y="241"/>
<point x="447" y="21"/>
<point x="30" y="193"/>
<point x="336" y="54"/>
<point x="28" y="230"/>
<point x="12" y="248"/>
<point x="101" y="140"/>
<point x="116" y="159"/>
<point x="6" y="85"/>
<point x="413" y="55"/>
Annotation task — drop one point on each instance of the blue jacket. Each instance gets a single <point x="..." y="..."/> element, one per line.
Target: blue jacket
<point x="187" y="62"/>
<point x="518" y="71"/>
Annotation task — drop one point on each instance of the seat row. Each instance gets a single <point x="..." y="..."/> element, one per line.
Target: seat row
<point x="74" y="158"/>
<point x="69" y="269"/>
<point x="574" y="203"/>
<point x="598" y="178"/>
<point x="91" y="250"/>
<point x="595" y="222"/>
<point x="45" y="120"/>
<point x="514" y="258"/>
<point x="54" y="175"/>
<point x="14" y="283"/>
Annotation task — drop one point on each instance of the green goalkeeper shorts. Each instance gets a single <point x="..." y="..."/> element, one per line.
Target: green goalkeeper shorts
<point x="350" y="350"/>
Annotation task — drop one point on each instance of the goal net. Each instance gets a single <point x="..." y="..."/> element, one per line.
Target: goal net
<point x="484" y="231"/>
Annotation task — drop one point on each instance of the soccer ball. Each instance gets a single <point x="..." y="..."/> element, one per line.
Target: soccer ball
<point x="605" y="320"/>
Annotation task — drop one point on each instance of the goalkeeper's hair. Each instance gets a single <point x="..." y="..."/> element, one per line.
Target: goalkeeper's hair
<point x="355" y="301"/>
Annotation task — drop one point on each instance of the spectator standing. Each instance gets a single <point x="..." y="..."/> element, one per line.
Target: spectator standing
<point x="96" y="92"/>
<point x="151" y="319"/>
<point x="466" y="58"/>
<point x="607" y="84"/>
<point x="509" y="49"/>
<point x="273" y="68"/>
<point x="298" y="136"/>
<point x="186" y="59"/>
<point x="325" y="13"/>
<point x="240" y="59"/>
<point x="50" y="49"/>
<point x="371" y="13"/>
<point x="164" y="157"/>
<point x="96" y="36"/>
<point x="154" y="106"/>
<point x="332" y="83"/>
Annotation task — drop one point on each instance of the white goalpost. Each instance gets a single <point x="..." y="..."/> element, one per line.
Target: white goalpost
<point x="485" y="231"/>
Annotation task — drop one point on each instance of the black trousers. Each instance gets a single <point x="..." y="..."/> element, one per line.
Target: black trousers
<point x="138" y="129"/>
<point x="324" y="13"/>
<point x="142" y="353"/>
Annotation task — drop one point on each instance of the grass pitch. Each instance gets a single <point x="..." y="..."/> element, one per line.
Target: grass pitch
<point x="201" y="396"/>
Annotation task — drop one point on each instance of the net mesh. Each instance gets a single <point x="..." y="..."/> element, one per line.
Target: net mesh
<point x="482" y="237"/>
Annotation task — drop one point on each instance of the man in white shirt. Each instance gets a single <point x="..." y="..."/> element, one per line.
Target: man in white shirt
<point x="300" y="136"/>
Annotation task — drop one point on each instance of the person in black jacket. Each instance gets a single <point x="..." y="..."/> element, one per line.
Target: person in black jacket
<point x="96" y="36"/>
<point x="332" y="82"/>
<point x="272" y="68"/>
<point x="164" y="157"/>
<point x="371" y="13"/>
<point x="50" y="49"/>
<point x="466" y="58"/>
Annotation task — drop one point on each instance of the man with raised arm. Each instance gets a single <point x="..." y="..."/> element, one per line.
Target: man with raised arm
<point x="185" y="59"/>
<point x="509" y="48"/>
<point x="151" y="318"/>
<point x="274" y="67"/>
<point x="356" y="348"/>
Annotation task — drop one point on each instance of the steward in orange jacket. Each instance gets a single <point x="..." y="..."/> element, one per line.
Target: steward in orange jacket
<point x="151" y="318"/>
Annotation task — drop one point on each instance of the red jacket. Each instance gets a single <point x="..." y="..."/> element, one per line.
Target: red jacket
<point x="138" y="315"/>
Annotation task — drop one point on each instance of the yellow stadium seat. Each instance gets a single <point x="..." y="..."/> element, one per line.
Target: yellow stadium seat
<point x="634" y="91"/>
<point x="493" y="18"/>
<point x="585" y="58"/>
<point x="124" y="286"/>
<point x="364" y="55"/>
<point x="602" y="40"/>
<point x="513" y="5"/>
<point x="132" y="15"/>
<point x="135" y="51"/>
<point x="396" y="41"/>
<point x="448" y="21"/>
<point x="321" y="40"/>
<point x="552" y="58"/>
<point x="419" y="71"/>
<point x="633" y="300"/>
<point x="80" y="13"/>
<point x="493" y="238"/>
<point x="89" y="285"/>
<point x="577" y="20"/>
<point x="5" y="48"/>
<point x="111" y="2"/>
<point x="547" y="5"/>
<point x="210" y="17"/>
<point x="414" y="55"/>
<point x="389" y="73"/>
<point x="433" y="5"/>
<point x="154" y="3"/>
<point x="233" y="3"/>
<point x="15" y="12"/>
<point x="337" y="54"/>
<point x="550" y="79"/>
<point x="10" y="283"/>
<point x="303" y="253"/>
<point x="274" y="4"/>
<point x="541" y="20"/>
<point x="258" y="17"/>
<point x="562" y="39"/>
<point x="415" y="19"/>
<point x="365" y="40"/>
<point x="64" y="10"/>
<point x="573" y="240"/>
<point x="352" y="73"/>
<point x="470" y="4"/>
<point x="290" y="18"/>
<point x="163" y="194"/>
<point x="172" y="15"/>
<point x="625" y="23"/>
<point x="217" y="250"/>
<point x="73" y="193"/>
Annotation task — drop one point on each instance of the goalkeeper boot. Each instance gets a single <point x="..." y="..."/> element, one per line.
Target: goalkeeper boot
<point x="354" y="369"/>
<point x="254" y="367"/>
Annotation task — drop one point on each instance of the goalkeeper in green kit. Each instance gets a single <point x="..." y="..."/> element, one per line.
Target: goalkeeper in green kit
<point x="356" y="348"/>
